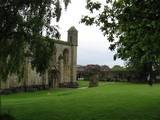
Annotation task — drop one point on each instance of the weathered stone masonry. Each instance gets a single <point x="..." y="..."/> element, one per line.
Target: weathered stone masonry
<point x="61" y="73"/>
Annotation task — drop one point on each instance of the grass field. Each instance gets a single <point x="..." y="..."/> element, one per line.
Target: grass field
<point x="109" y="101"/>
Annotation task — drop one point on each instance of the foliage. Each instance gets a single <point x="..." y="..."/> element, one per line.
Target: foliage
<point x="92" y="69"/>
<point x="132" y="27"/>
<point x="108" y="101"/>
<point x="25" y="34"/>
<point x="117" y="68"/>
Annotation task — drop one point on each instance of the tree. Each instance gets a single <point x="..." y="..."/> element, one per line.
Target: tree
<point x="117" y="68"/>
<point x="26" y="32"/>
<point x="132" y="27"/>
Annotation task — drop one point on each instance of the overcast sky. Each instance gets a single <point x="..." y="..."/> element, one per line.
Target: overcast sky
<point x="93" y="46"/>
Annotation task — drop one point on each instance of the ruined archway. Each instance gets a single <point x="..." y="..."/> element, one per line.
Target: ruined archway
<point x="53" y="77"/>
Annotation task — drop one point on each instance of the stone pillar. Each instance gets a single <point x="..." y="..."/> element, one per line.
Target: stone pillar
<point x="61" y="70"/>
<point x="74" y="64"/>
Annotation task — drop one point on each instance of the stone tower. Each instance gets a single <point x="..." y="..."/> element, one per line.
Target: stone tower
<point x="73" y="36"/>
<point x="73" y="40"/>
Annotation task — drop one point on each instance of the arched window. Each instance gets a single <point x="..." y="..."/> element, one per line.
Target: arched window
<point x="71" y="39"/>
<point x="66" y="56"/>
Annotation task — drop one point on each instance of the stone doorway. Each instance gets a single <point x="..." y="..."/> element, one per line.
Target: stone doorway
<point x="54" y="78"/>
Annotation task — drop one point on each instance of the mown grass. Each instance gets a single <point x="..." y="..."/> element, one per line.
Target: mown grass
<point x="109" y="101"/>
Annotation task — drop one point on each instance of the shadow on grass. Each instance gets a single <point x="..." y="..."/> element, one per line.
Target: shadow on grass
<point x="6" y="116"/>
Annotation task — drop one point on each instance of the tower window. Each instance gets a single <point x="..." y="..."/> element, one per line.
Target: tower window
<point x="71" y="38"/>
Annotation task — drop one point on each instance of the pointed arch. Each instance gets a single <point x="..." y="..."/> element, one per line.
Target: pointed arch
<point x="66" y="56"/>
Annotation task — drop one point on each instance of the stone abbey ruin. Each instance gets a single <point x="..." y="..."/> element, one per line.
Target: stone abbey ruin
<point x="61" y="73"/>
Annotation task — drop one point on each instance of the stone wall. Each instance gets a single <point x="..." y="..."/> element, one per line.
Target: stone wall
<point x="61" y="72"/>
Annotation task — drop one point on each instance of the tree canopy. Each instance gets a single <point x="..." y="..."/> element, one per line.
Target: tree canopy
<point x="117" y="68"/>
<point x="26" y="32"/>
<point x="131" y="26"/>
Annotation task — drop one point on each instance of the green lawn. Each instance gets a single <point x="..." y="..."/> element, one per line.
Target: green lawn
<point x="109" y="101"/>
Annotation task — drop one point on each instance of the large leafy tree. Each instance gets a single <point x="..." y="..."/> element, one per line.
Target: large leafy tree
<point x="26" y="32"/>
<point x="132" y="27"/>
